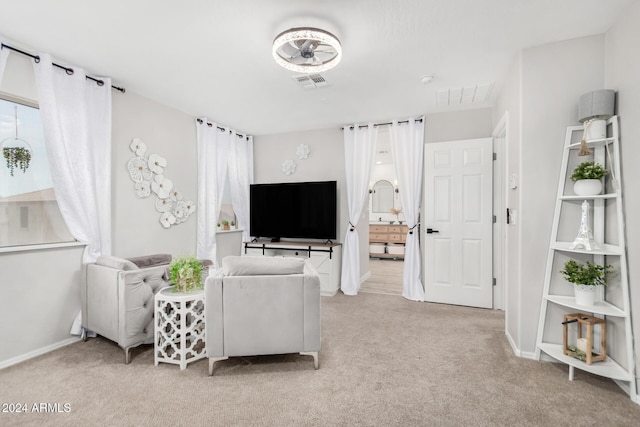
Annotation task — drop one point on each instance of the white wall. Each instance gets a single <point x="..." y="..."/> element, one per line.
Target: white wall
<point x="171" y="134"/>
<point x="541" y="96"/>
<point x="622" y="71"/>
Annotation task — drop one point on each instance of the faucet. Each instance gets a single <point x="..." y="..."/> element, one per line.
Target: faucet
<point x="380" y="218"/>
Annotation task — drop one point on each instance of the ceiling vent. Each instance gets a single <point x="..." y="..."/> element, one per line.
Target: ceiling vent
<point x="311" y="81"/>
<point x="464" y="95"/>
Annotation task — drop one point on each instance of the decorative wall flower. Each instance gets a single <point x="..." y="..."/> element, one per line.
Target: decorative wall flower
<point x="191" y="207"/>
<point x="181" y="212"/>
<point x="138" y="147"/>
<point x="167" y="219"/>
<point x="303" y="151"/>
<point x="175" y="195"/>
<point x="139" y="170"/>
<point x="143" y="188"/>
<point x="164" y="205"/>
<point x="162" y="186"/>
<point x="157" y="164"/>
<point x="289" y="167"/>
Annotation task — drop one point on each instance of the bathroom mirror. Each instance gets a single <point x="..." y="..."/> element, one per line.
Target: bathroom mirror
<point x="382" y="197"/>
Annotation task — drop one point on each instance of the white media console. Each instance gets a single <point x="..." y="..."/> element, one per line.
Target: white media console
<point x="325" y="257"/>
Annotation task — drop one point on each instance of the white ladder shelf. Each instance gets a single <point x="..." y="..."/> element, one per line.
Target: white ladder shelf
<point x="610" y="234"/>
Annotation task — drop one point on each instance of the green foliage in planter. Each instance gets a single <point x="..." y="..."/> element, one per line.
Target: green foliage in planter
<point x="185" y="273"/>
<point x="588" y="170"/>
<point x="586" y="274"/>
<point x="17" y="157"/>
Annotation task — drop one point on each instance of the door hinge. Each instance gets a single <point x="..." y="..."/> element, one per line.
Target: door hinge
<point x="495" y="156"/>
<point x="495" y="219"/>
<point x="494" y="281"/>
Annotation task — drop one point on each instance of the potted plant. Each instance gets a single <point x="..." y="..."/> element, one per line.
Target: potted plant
<point x="587" y="177"/>
<point x="225" y="225"/>
<point x="185" y="273"/>
<point x="17" y="157"/>
<point x="233" y="225"/>
<point x="585" y="278"/>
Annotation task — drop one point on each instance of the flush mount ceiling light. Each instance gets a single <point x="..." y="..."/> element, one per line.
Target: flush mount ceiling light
<point x="307" y="50"/>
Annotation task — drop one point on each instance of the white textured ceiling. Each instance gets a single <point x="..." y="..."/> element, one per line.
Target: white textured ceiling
<point x="213" y="57"/>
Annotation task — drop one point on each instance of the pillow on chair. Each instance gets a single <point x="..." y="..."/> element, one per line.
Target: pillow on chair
<point x="115" y="262"/>
<point x="261" y="266"/>
<point x="151" y="260"/>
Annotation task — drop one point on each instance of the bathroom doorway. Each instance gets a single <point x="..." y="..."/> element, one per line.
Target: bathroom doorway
<point x="387" y="225"/>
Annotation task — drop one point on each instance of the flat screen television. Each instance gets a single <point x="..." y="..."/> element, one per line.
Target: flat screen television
<point x="305" y="210"/>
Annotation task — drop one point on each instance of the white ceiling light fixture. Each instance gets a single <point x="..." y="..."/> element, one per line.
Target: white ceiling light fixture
<point x="307" y="50"/>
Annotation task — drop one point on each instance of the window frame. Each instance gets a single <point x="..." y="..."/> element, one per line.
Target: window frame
<point x="33" y="246"/>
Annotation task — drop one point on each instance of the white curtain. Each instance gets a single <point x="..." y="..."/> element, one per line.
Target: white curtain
<point x="407" y="146"/>
<point x="359" y="151"/>
<point x="76" y="118"/>
<point x="240" y="177"/>
<point x="213" y="153"/>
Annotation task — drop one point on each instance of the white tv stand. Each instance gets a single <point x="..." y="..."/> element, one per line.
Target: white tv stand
<point x="325" y="257"/>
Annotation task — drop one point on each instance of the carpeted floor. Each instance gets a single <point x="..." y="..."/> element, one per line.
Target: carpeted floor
<point x="385" y="361"/>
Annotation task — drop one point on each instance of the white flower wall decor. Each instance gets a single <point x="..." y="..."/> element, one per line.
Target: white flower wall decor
<point x="303" y="151"/>
<point x="148" y="176"/>
<point x="289" y="167"/>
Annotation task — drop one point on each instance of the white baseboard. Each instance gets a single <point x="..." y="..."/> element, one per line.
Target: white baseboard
<point x="517" y="351"/>
<point x="38" y="352"/>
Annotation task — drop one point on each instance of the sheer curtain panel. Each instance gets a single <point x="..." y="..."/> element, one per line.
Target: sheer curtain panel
<point x="407" y="146"/>
<point x="213" y="153"/>
<point x="359" y="151"/>
<point x="240" y="177"/>
<point x="76" y="119"/>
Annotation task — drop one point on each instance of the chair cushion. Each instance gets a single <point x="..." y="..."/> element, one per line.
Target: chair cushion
<point x="151" y="260"/>
<point x="261" y="266"/>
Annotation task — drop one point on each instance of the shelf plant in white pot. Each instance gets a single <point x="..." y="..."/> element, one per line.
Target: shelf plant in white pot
<point x="588" y="178"/>
<point x="585" y="278"/>
<point x="185" y="273"/>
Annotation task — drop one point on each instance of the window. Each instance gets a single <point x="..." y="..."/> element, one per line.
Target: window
<point x="29" y="213"/>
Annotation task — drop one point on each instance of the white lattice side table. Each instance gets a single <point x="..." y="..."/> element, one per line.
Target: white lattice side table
<point x="179" y="327"/>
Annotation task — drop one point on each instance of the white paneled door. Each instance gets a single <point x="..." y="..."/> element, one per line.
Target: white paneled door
<point x="458" y="222"/>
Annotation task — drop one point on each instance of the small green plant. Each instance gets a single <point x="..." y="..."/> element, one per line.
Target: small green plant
<point x="185" y="273"/>
<point x="17" y="157"/>
<point x="225" y="222"/>
<point x="588" y="170"/>
<point x="233" y="223"/>
<point x="588" y="274"/>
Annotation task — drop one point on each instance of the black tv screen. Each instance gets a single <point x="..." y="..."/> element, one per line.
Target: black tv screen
<point x="293" y="210"/>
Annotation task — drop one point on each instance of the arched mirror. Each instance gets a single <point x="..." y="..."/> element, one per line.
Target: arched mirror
<point x="382" y="197"/>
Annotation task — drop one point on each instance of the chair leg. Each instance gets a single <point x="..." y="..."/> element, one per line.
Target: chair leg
<point x="316" y="362"/>
<point x="127" y="355"/>
<point x="212" y="361"/>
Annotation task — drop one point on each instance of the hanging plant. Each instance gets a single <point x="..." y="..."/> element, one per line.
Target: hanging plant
<point x="17" y="157"/>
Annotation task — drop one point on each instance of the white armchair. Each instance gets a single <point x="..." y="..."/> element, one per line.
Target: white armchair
<point x="261" y="306"/>
<point x="117" y="298"/>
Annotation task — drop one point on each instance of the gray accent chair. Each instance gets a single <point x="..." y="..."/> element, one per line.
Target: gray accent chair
<point x="118" y="298"/>
<point x="262" y="306"/>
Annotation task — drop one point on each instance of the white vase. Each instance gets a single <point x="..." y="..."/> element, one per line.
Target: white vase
<point x="587" y="187"/>
<point x="585" y="294"/>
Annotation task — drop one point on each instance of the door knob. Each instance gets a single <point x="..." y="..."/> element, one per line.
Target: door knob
<point x="431" y="231"/>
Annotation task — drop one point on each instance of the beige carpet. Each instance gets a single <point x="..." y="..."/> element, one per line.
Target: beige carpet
<point x="386" y="277"/>
<point x="384" y="361"/>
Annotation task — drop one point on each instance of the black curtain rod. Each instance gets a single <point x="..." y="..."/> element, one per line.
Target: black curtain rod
<point x="69" y="71"/>
<point x="375" y="125"/>
<point x="239" y="135"/>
